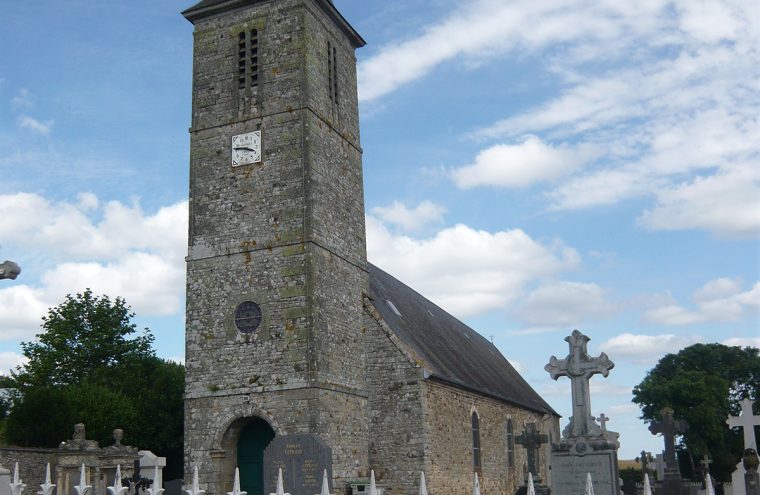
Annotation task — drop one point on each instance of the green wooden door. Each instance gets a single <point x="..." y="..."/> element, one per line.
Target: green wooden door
<point x="254" y="438"/>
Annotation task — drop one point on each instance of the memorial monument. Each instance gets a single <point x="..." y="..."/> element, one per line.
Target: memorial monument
<point x="671" y="484"/>
<point x="586" y="447"/>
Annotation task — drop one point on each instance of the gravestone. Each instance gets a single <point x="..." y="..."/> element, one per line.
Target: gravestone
<point x="669" y="427"/>
<point x="585" y="447"/>
<point x="174" y="487"/>
<point x="645" y="459"/>
<point x="5" y="480"/>
<point x="531" y="439"/>
<point x="303" y="458"/>
<point x="742" y="478"/>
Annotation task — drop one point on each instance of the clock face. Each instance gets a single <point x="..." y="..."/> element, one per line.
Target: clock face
<point x="246" y="148"/>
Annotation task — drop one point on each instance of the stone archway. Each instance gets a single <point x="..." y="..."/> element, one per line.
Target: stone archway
<point x="243" y="445"/>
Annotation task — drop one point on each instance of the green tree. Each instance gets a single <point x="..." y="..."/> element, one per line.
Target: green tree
<point x="703" y="384"/>
<point x="91" y="363"/>
<point x="47" y="415"/>
<point x="83" y="338"/>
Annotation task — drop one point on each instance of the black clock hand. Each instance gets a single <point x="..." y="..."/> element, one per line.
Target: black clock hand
<point x="246" y="149"/>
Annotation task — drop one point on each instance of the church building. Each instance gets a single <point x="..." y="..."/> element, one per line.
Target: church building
<point x="289" y="329"/>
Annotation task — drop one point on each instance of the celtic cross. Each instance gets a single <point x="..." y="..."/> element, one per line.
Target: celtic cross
<point x="580" y="367"/>
<point x="532" y="440"/>
<point x="669" y="428"/>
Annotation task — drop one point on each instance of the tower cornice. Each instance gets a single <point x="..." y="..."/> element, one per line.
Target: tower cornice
<point x="207" y="8"/>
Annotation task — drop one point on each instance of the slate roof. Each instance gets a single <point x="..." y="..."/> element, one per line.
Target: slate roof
<point x="209" y="7"/>
<point x="451" y="351"/>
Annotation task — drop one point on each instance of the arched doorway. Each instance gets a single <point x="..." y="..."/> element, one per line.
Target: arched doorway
<point x="254" y="438"/>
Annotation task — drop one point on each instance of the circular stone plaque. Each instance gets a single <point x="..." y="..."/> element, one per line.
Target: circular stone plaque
<point x="247" y="317"/>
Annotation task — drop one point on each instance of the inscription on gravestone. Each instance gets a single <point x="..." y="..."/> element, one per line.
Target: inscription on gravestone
<point x="566" y="468"/>
<point x="303" y="458"/>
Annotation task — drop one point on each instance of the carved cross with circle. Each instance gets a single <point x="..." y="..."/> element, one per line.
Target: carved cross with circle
<point x="580" y="367"/>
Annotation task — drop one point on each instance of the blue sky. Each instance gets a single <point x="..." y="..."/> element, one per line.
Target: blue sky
<point x="532" y="167"/>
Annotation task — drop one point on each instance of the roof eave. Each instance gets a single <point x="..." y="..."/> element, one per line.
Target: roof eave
<point x="194" y="14"/>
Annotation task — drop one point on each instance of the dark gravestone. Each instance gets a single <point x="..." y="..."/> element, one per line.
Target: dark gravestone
<point x="173" y="487"/>
<point x="532" y="440"/>
<point x="672" y="484"/>
<point x="302" y="458"/>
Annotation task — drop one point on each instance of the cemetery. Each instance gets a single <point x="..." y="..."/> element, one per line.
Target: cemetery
<point x="309" y="371"/>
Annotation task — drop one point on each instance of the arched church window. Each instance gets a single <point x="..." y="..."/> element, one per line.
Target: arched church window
<point x="476" y="441"/>
<point x="510" y="443"/>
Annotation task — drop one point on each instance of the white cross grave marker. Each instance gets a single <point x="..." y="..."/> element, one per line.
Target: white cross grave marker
<point x="235" y="484"/>
<point x="48" y="487"/>
<point x="17" y="487"/>
<point x="747" y="421"/>
<point x="423" y="485"/>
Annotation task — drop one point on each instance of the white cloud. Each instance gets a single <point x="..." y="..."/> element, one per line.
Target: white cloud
<point x="743" y="342"/>
<point x="23" y="100"/>
<point x="9" y="361"/>
<point x="726" y="203"/>
<point x="27" y="122"/>
<point x="665" y="91"/>
<point x="21" y="311"/>
<point x="646" y="349"/>
<point x="67" y="231"/>
<point x="468" y="271"/>
<point x="625" y="409"/>
<point x="126" y="253"/>
<point x="563" y="304"/>
<point x="718" y="289"/>
<point x="410" y="219"/>
<point x="601" y="386"/>
<point x="720" y="300"/>
<point x="520" y="165"/>
<point x="486" y="29"/>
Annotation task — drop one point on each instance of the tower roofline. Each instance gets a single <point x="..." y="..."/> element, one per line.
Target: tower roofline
<point x="206" y="8"/>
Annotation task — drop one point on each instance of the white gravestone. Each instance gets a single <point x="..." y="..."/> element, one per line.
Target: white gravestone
<point x="746" y="421"/>
<point x="5" y="481"/>
<point x="151" y="463"/>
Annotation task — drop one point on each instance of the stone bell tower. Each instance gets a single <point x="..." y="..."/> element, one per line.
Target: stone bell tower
<point x="276" y="267"/>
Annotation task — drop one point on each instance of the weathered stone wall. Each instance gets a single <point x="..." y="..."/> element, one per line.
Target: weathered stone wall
<point x="449" y="458"/>
<point x="395" y="410"/>
<point x="31" y="463"/>
<point x="287" y="233"/>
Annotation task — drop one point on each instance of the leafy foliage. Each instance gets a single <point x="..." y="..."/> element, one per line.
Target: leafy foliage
<point x="90" y="365"/>
<point x="34" y="422"/>
<point x="83" y="338"/>
<point x="703" y="384"/>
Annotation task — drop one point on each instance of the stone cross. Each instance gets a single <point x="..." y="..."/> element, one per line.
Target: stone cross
<point x="645" y="458"/>
<point x="580" y="367"/>
<point x="532" y="440"/>
<point x="136" y="482"/>
<point x="706" y="461"/>
<point x="747" y="421"/>
<point x="603" y="421"/>
<point x="669" y="428"/>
